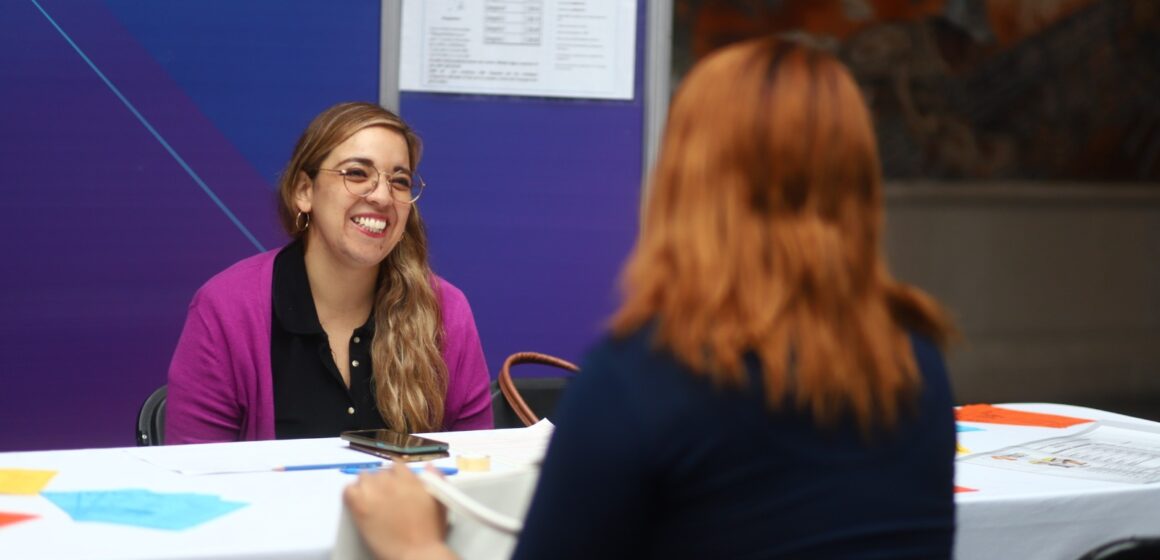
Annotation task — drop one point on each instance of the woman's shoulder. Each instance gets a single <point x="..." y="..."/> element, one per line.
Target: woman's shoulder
<point x="452" y="300"/>
<point x="447" y="290"/>
<point x="635" y="354"/>
<point x="927" y="352"/>
<point x="242" y="280"/>
<point x="637" y="343"/>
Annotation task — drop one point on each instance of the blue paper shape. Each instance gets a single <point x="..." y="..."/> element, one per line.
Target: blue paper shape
<point x="962" y="428"/>
<point x="142" y="508"/>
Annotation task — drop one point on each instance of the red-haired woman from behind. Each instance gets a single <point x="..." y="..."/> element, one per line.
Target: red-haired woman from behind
<point x="767" y="389"/>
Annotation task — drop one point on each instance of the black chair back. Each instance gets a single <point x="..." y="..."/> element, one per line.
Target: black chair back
<point x="540" y="394"/>
<point x="151" y="419"/>
<point x="517" y="402"/>
<point x="1132" y="548"/>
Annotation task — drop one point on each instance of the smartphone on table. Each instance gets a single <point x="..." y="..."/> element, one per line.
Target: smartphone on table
<point x="396" y="446"/>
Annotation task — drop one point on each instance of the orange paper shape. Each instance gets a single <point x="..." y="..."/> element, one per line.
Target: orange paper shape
<point x="7" y="518"/>
<point x="996" y="415"/>
<point x="964" y="489"/>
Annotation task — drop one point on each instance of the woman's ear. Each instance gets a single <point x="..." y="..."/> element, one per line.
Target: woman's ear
<point x="304" y="192"/>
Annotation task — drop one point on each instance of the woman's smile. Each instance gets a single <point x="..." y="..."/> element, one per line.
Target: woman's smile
<point x="370" y="224"/>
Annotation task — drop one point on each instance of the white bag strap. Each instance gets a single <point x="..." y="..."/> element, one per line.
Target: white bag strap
<point x="465" y="505"/>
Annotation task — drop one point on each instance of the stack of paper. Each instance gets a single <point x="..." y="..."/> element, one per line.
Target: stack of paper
<point x="519" y="447"/>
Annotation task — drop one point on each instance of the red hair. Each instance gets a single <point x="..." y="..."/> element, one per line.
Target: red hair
<point x="762" y="235"/>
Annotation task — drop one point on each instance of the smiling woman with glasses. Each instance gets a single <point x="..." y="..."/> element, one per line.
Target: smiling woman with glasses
<point x="346" y="327"/>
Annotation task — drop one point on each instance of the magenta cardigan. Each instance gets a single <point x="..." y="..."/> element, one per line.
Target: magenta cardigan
<point x="221" y="382"/>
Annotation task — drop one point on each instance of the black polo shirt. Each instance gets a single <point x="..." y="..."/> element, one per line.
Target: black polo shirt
<point x="310" y="399"/>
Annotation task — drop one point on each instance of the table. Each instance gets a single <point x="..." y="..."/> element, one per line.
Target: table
<point x="298" y="515"/>
<point x="1023" y="515"/>
<point x="289" y="516"/>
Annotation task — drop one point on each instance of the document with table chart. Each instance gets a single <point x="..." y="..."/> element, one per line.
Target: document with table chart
<point x="1105" y="450"/>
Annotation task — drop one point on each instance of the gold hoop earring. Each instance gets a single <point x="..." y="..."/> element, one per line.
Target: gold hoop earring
<point x="298" y="219"/>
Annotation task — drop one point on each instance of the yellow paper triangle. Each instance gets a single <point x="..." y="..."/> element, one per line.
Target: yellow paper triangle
<point x="24" y="481"/>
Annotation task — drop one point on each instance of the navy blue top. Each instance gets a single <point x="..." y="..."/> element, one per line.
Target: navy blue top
<point x="649" y="460"/>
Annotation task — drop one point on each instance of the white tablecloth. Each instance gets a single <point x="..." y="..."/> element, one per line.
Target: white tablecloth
<point x="288" y="516"/>
<point x="296" y="515"/>
<point x="1024" y="515"/>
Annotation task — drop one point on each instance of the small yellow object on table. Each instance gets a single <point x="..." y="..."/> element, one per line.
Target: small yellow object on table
<point x="473" y="463"/>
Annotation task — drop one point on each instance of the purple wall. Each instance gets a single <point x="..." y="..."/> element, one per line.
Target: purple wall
<point x="142" y="141"/>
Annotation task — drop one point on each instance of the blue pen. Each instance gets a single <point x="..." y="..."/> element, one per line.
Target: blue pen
<point x="343" y="466"/>
<point x="356" y="470"/>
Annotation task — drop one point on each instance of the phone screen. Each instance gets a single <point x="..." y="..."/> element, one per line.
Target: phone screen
<point x="394" y="441"/>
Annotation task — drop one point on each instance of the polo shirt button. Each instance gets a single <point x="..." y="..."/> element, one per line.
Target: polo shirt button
<point x="350" y="410"/>
<point x="354" y="363"/>
<point x="356" y="340"/>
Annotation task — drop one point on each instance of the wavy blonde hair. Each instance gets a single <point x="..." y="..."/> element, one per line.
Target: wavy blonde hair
<point x="410" y="375"/>
<point x="761" y="235"/>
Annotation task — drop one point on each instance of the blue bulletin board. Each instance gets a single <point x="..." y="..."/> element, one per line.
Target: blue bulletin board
<point x="534" y="206"/>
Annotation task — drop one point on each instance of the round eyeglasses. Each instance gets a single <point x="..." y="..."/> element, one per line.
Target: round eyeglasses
<point x="361" y="179"/>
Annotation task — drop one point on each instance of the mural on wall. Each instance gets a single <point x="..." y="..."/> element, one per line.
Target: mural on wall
<point x="1061" y="90"/>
